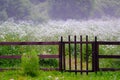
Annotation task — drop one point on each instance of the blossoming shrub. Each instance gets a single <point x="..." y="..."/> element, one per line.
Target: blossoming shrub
<point x="30" y="63"/>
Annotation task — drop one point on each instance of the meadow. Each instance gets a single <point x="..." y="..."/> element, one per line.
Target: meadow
<point x="105" y="30"/>
<point x="54" y="75"/>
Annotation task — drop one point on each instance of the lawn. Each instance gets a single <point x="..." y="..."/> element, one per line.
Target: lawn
<point x="55" y="75"/>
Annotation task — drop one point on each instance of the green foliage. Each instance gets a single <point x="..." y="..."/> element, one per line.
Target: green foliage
<point x="30" y="63"/>
<point x="109" y="50"/>
<point x="49" y="63"/>
<point x="10" y="63"/>
<point x="9" y="50"/>
<point x="89" y="52"/>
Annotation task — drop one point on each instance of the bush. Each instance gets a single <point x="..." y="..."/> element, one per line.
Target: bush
<point x="30" y="63"/>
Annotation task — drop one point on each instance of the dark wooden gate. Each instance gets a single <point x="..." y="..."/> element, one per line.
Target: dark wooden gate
<point x="81" y="55"/>
<point x="78" y="55"/>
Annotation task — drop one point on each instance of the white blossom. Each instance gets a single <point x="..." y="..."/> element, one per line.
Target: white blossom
<point x="52" y="30"/>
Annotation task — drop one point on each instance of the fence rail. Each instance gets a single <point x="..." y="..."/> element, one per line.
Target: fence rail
<point x="74" y="61"/>
<point x="29" y="43"/>
<point x="19" y="56"/>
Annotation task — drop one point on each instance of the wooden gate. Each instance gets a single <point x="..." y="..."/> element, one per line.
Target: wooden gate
<point x="78" y="55"/>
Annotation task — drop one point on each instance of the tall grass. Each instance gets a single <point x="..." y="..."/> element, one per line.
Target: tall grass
<point x="54" y="75"/>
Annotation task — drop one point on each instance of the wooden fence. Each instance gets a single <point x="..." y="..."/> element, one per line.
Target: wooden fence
<point x="75" y="55"/>
<point x="40" y="56"/>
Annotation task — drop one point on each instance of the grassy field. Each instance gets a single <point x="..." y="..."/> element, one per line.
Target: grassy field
<point x="54" y="75"/>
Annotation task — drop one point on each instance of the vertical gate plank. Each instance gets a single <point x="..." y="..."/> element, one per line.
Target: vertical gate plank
<point x="97" y="53"/>
<point x="87" y="55"/>
<point x="93" y="57"/>
<point x="60" y="54"/>
<point x="69" y="52"/>
<point x="75" y="54"/>
<point x="81" y="53"/>
<point x="96" y="56"/>
<point x="64" y="61"/>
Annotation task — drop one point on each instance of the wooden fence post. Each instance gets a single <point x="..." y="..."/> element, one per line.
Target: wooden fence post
<point x="87" y="55"/>
<point x="75" y="54"/>
<point x="69" y="45"/>
<point x="96" y="55"/>
<point x="60" y="54"/>
<point x="93" y="56"/>
<point x="81" y="54"/>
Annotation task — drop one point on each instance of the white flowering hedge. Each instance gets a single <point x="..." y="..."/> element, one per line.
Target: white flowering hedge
<point x="52" y="30"/>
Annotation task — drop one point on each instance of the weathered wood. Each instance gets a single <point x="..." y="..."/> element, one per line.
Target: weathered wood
<point x="75" y="54"/>
<point x="29" y="43"/>
<point x="87" y="54"/>
<point x="109" y="69"/>
<point x="78" y="42"/>
<point x="45" y="69"/>
<point x="64" y="63"/>
<point x="19" y="56"/>
<point x="69" y="46"/>
<point x="108" y="42"/>
<point x="109" y="56"/>
<point x="78" y="71"/>
<point x="10" y="56"/>
<point x="96" y="55"/>
<point x="81" y="54"/>
<point x="50" y="69"/>
<point x="93" y="57"/>
<point x="60" y="55"/>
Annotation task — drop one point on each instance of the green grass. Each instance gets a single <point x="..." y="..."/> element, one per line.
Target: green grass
<point x="55" y="75"/>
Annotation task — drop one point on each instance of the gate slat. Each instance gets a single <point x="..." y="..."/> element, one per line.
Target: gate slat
<point x="69" y="53"/>
<point x="75" y="54"/>
<point x="87" y="54"/>
<point x="81" y="53"/>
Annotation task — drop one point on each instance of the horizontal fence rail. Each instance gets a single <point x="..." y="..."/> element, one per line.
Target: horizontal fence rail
<point x="29" y="43"/>
<point x="109" y="56"/>
<point x="19" y="56"/>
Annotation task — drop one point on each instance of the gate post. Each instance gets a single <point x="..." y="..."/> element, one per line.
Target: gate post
<point x="60" y="54"/>
<point x="96" y="55"/>
<point x="93" y="56"/>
